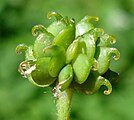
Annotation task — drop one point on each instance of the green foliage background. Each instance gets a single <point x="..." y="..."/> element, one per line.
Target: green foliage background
<point x="20" y="100"/>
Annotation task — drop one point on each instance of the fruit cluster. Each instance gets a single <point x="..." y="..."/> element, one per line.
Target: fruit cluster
<point x="67" y="54"/>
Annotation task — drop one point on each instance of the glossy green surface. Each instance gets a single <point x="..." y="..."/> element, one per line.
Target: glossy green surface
<point x="44" y="39"/>
<point x="71" y="51"/>
<point x="65" y="37"/>
<point x="68" y="51"/>
<point x="81" y="68"/>
<point x="41" y="75"/>
<point x="65" y="77"/>
<point x="57" y="25"/>
<point x="85" y="25"/>
<point x="57" y="61"/>
<point x="103" y="56"/>
<point x="19" y="97"/>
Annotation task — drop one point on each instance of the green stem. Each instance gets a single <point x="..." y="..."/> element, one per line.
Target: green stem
<point x="63" y="103"/>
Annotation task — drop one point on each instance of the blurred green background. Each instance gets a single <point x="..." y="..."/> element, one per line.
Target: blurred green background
<point x="20" y="100"/>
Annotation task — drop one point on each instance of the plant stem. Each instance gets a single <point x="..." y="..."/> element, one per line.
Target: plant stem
<point x="63" y="103"/>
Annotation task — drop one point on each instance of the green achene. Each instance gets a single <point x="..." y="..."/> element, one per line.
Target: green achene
<point x="69" y="56"/>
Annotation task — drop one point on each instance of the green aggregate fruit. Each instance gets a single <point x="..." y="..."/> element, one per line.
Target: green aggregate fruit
<point x="66" y="54"/>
